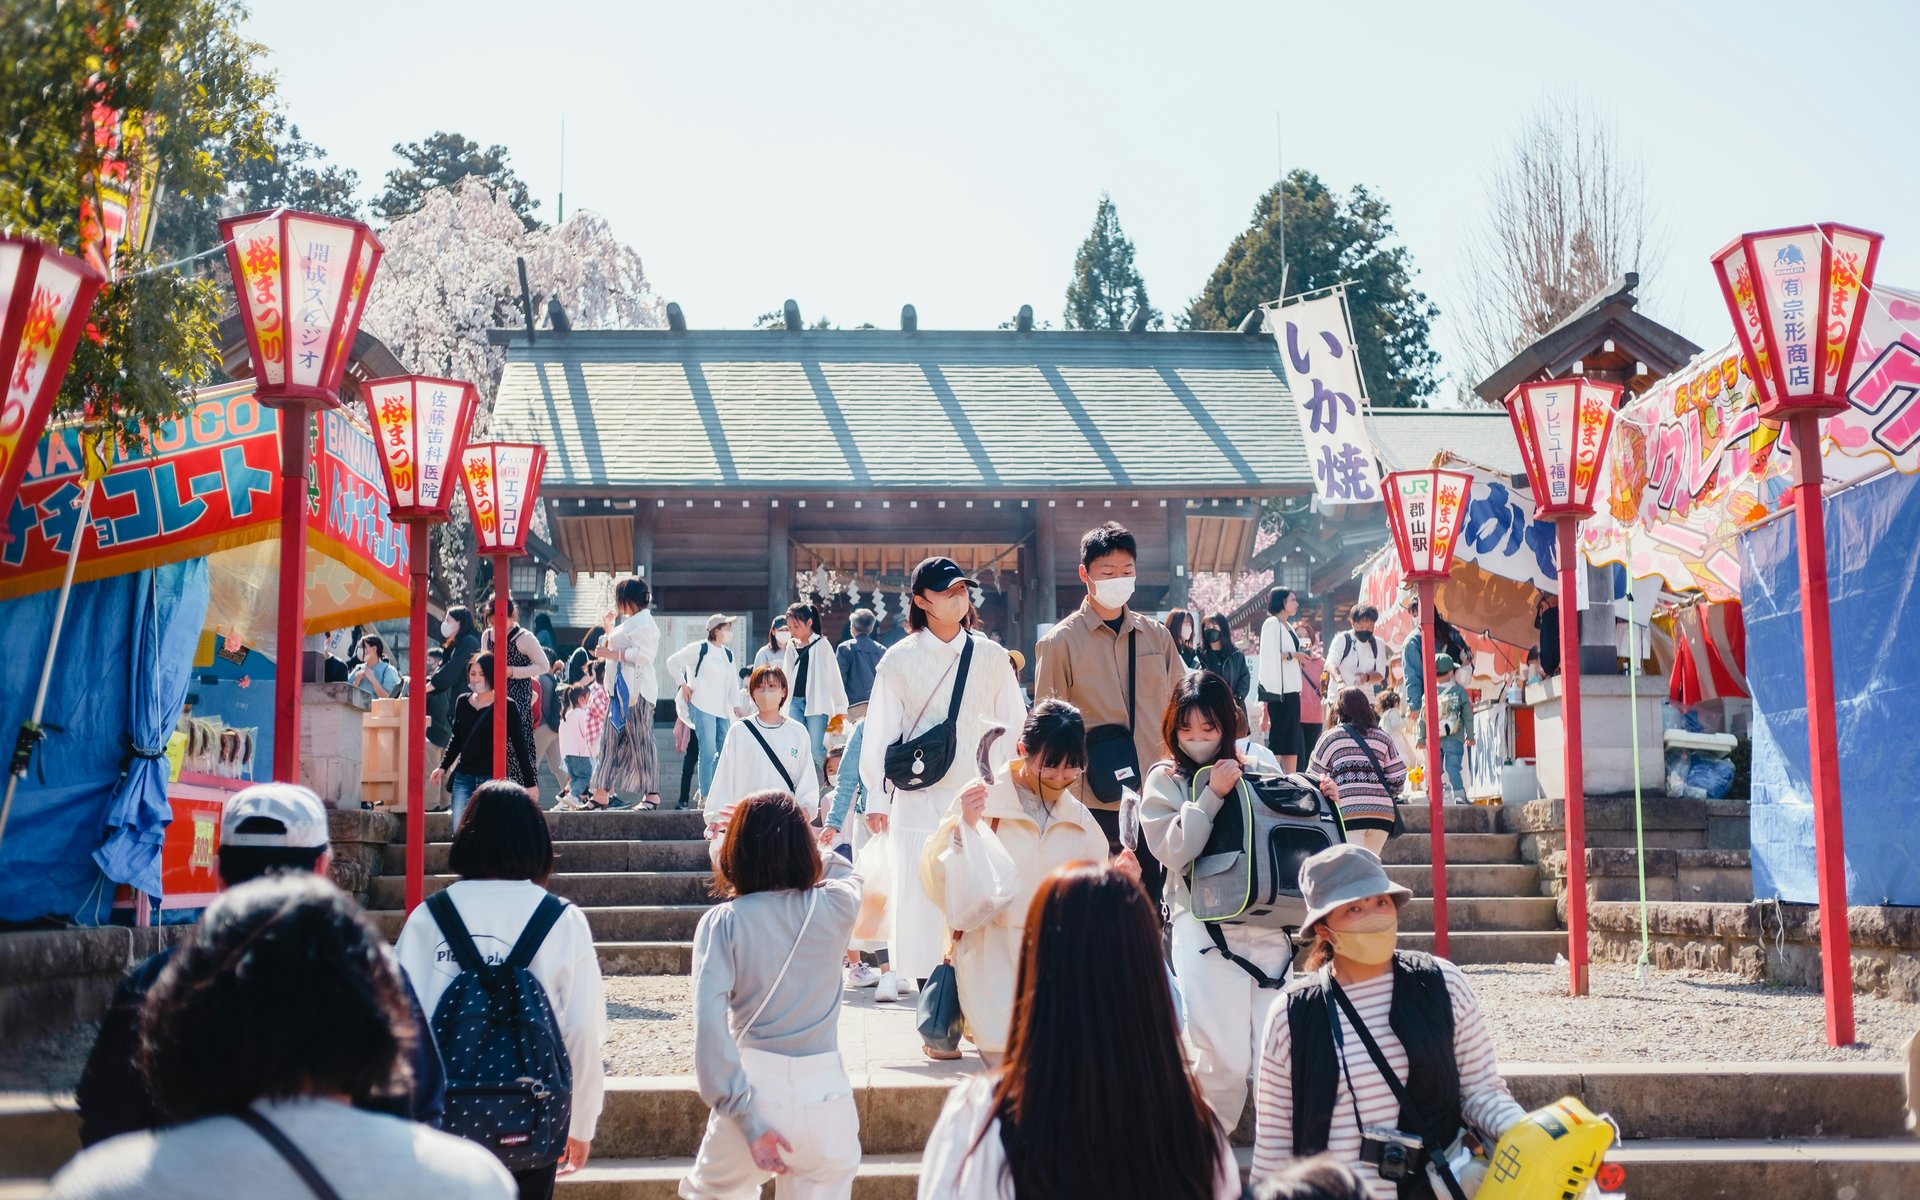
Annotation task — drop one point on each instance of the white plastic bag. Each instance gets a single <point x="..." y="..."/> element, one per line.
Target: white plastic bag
<point x="980" y="877"/>
<point x="874" y="861"/>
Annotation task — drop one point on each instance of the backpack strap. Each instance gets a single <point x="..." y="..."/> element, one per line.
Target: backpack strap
<point x="283" y="1145"/>
<point x="538" y="926"/>
<point x="445" y="915"/>
<point x="1261" y="978"/>
<point x="771" y="756"/>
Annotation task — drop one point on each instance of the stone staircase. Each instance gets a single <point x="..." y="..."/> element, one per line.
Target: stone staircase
<point x="1497" y="909"/>
<point x="1699" y="1131"/>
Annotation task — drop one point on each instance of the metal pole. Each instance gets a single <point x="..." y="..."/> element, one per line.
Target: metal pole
<point x="1816" y="634"/>
<point x="415" y="740"/>
<point x="1436" y="811"/>
<point x="501" y="566"/>
<point x="1576" y="769"/>
<point x="293" y="593"/>
<point x="31" y="733"/>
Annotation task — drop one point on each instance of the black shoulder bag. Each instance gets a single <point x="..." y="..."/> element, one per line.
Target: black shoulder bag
<point x="779" y="766"/>
<point x="1113" y="763"/>
<point x="1393" y="797"/>
<point x="916" y="763"/>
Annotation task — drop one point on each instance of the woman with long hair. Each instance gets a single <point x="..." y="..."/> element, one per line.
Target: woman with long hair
<point x="766" y="1020"/>
<point x="1226" y="1001"/>
<point x="1219" y="655"/>
<point x="1319" y="1085"/>
<point x="1366" y="765"/>
<point x="1094" y="1099"/>
<point x="468" y="759"/>
<point x="626" y="760"/>
<point x="1180" y="625"/>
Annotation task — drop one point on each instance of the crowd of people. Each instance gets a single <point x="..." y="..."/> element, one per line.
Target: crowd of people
<point x="1033" y="864"/>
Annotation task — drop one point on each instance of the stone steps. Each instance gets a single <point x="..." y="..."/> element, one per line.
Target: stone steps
<point x="1480" y="948"/>
<point x="590" y="890"/>
<point x="1484" y="879"/>
<point x="1463" y="849"/>
<point x="626" y="824"/>
<point x="623" y="923"/>
<point x="602" y="855"/>
<point x="1458" y="818"/>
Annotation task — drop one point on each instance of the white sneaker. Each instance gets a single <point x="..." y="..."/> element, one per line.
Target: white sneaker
<point x="860" y="975"/>
<point x="888" y="990"/>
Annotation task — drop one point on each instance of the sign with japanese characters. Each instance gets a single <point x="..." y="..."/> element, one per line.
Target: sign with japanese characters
<point x="1562" y="427"/>
<point x="1323" y="375"/>
<point x="502" y="482"/>
<point x="1425" y="509"/>
<point x="420" y="425"/>
<point x="1796" y="299"/>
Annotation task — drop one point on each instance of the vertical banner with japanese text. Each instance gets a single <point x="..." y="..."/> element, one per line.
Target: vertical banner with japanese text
<point x="1323" y="374"/>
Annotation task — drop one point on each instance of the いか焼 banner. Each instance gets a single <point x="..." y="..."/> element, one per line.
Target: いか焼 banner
<point x="1323" y="373"/>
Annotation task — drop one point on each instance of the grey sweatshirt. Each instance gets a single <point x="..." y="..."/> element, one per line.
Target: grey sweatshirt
<point x="737" y="953"/>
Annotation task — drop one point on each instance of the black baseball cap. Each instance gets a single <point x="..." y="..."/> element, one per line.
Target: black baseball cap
<point x="937" y="574"/>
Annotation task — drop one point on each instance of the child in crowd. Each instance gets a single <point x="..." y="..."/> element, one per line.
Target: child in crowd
<point x="576" y="748"/>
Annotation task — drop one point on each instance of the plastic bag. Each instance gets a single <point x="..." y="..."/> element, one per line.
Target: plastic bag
<point x="981" y="877"/>
<point x="874" y="861"/>
<point x="1713" y="777"/>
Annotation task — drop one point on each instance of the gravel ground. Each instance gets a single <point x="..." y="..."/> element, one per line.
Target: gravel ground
<point x="1675" y="1016"/>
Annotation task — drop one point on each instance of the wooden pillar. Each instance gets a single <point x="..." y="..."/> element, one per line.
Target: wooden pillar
<point x="1046" y="569"/>
<point x="779" y="563"/>
<point x="1177" y="554"/>
<point x="644" y="518"/>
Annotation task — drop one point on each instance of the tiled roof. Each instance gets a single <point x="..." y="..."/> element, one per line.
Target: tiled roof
<point x="837" y="410"/>
<point x="1408" y="439"/>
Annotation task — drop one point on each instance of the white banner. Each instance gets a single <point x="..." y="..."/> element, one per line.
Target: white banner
<point x="1323" y="374"/>
<point x="1492" y="724"/>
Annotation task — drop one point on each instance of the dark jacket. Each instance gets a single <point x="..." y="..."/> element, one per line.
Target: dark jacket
<point x="113" y="1097"/>
<point x="1230" y="665"/>
<point x="859" y="658"/>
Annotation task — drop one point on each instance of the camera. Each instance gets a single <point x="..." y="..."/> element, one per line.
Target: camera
<point x="1394" y="1154"/>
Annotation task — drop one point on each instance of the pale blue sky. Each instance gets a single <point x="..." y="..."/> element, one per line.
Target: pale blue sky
<point x="858" y="156"/>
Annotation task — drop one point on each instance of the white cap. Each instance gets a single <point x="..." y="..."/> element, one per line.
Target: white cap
<point x="302" y="818"/>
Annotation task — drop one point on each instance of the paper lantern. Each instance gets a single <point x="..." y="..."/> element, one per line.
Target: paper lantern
<point x="502" y="481"/>
<point x="1795" y="296"/>
<point x="1426" y="510"/>
<point x="420" y="424"/>
<point x="1562" y="426"/>
<point x="45" y="297"/>
<point x="302" y="283"/>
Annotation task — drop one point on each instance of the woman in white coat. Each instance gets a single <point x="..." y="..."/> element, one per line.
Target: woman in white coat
<point x="913" y="691"/>
<point x="1226" y="1005"/>
<point x="1031" y="810"/>
<point x="766" y="751"/>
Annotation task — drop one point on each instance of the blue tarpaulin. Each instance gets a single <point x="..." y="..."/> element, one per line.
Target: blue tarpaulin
<point x="1873" y="555"/>
<point x="126" y="655"/>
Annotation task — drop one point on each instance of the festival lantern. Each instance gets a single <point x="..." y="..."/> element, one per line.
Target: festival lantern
<point x="1797" y="299"/>
<point x="45" y="297"/>
<point x="1426" y="510"/>
<point x="420" y="424"/>
<point x="1562" y="426"/>
<point x="502" y="481"/>
<point x="301" y="283"/>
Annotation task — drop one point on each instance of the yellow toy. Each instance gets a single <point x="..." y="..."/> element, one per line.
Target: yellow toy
<point x="1552" y="1155"/>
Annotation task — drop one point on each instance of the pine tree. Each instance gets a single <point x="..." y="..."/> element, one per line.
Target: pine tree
<point x="443" y="160"/>
<point x="1106" y="290"/>
<point x="1332" y="239"/>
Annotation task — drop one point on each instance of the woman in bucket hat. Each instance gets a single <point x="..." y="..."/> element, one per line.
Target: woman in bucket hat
<point x="1319" y="1086"/>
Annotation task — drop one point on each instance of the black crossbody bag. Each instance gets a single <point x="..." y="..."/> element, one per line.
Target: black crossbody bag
<point x="1393" y="797"/>
<point x="1113" y="763"/>
<point x="921" y="762"/>
<point x="773" y="758"/>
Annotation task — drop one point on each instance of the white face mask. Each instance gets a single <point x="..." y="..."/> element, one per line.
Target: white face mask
<point x="1115" y="592"/>
<point x="448" y="627"/>
<point x="781" y="637"/>
<point x="1200" y="749"/>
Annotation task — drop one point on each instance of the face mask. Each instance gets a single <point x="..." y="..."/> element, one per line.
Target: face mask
<point x="449" y="627"/>
<point x="1370" y="941"/>
<point x="1115" y="592"/>
<point x="1363" y="636"/>
<point x="948" y="609"/>
<point x="781" y="637"/>
<point x="1200" y="750"/>
<point x="1213" y="637"/>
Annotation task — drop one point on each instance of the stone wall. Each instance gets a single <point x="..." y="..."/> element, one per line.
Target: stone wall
<point x="1697" y="850"/>
<point x="54" y="979"/>
<point x="357" y="835"/>
<point x="1764" y="940"/>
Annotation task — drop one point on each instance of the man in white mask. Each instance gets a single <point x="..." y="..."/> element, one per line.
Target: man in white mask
<point x="1118" y="668"/>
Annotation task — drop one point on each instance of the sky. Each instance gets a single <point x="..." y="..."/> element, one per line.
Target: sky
<point x="856" y="157"/>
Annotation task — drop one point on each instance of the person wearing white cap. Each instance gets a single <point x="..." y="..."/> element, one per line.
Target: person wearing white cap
<point x="1321" y="1085"/>
<point x="264" y="828"/>
<point x="707" y="680"/>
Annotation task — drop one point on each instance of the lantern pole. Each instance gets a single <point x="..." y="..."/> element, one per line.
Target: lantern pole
<point x="502" y="565"/>
<point x="293" y="592"/>
<point x="1576" y="806"/>
<point x="1829" y="846"/>
<point x="412" y="756"/>
<point x="1436" y="811"/>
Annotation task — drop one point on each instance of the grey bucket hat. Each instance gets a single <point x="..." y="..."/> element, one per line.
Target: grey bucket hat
<point x="1340" y="875"/>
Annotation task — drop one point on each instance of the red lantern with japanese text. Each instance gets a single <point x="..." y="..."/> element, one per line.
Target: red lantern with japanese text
<point x="1562" y="426"/>
<point x="45" y="297"/>
<point x="1796" y="297"/>
<point x="503" y="483"/>
<point x="420" y="424"/>
<point x="302" y="282"/>
<point x="1426" y="509"/>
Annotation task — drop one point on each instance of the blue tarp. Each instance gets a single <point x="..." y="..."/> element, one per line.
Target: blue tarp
<point x="126" y="655"/>
<point x="1873" y="555"/>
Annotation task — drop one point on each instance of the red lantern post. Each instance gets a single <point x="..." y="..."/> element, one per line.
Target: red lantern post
<point x="420" y="424"/>
<point x="1795" y="296"/>
<point x="1426" y="509"/>
<point x="503" y="484"/>
<point x="1562" y="426"/>
<point x="301" y="281"/>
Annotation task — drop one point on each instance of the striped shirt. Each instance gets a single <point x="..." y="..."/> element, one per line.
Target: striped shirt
<point x="1484" y="1099"/>
<point x="1361" y="795"/>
